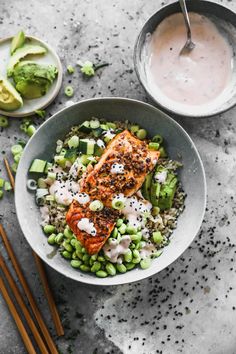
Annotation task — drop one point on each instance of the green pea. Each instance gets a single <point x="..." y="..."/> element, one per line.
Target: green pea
<point x="74" y="255"/>
<point x="121" y="268"/>
<point x="141" y="134"/>
<point x="75" y="263"/>
<point x="157" y="237"/>
<point x="115" y="232"/>
<point x="51" y="239"/>
<point x="67" y="246"/>
<point x="145" y="263"/>
<point x="128" y="256"/>
<point x="101" y="274"/>
<point x="131" y="230"/>
<point x="122" y="229"/>
<point x="68" y="233"/>
<point x="59" y="238"/>
<point x="119" y="222"/>
<point x="49" y="229"/>
<point x="130" y="266"/>
<point x="96" y="267"/>
<point x="110" y="268"/>
<point x="84" y="268"/>
<point x="66" y="254"/>
<point x="101" y="259"/>
<point x="136" y="238"/>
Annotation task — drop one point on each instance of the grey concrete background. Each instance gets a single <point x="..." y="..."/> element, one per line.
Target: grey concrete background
<point x="190" y="306"/>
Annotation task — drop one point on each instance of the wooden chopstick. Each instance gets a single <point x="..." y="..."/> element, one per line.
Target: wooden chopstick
<point x="23" y="306"/>
<point x="49" y="296"/>
<point x="55" y="315"/>
<point x="15" y="315"/>
<point x="25" y="286"/>
<point x="10" y="175"/>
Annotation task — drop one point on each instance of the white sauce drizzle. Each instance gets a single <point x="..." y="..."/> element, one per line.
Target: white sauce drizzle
<point x="88" y="226"/>
<point x="117" y="168"/>
<point x="113" y="249"/>
<point x="101" y="144"/>
<point x="82" y="198"/>
<point x="109" y="134"/>
<point x="44" y="212"/>
<point x="134" y="211"/>
<point x="161" y="176"/>
<point x="64" y="191"/>
<point x="147" y="250"/>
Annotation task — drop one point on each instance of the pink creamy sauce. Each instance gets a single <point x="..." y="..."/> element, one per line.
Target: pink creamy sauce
<point x="195" y="78"/>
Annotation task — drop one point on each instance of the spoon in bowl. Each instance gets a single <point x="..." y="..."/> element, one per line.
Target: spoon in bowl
<point x="189" y="45"/>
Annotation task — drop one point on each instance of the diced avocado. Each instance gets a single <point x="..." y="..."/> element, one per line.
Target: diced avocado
<point x="167" y="194"/>
<point x="18" y="41"/>
<point x="38" y="166"/>
<point x="86" y="146"/>
<point x="10" y="99"/>
<point x="154" y="193"/>
<point x="147" y="186"/>
<point x="22" y="52"/>
<point x="85" y="127"/>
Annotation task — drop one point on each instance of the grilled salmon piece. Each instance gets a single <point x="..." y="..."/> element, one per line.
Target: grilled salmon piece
<point x="121" y="169"/>
<point x="103" y="222"/>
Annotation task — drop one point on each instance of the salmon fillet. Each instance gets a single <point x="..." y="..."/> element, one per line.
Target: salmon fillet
<point x="122" y="168"/>
<point x="103" y="222"/>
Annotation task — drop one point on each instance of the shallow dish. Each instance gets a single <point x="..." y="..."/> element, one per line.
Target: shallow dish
<point x="225" y="21"/>
<point x="192" y="176"/>
<point x="50" y="57"/>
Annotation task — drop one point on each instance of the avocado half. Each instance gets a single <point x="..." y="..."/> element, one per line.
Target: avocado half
<point x="10" y="100"/>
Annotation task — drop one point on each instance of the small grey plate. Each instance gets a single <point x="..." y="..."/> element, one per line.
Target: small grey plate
<point x="179" y="146"/>
<point x="50" y="58"/>
<point x="225" y="21"/>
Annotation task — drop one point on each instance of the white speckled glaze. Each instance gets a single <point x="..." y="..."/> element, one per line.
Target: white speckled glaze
<point x="178" y="143"/>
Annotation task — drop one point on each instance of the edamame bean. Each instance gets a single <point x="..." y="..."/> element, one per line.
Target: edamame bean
<point x="66" y="254"/>
<point x="136" y="257"/>
<point x="119" y="222"/>
<point x="110" y="269"/>
<point x="130" y="266"/>
<point x="101" y="259"/>
<point x="49" y="229"/>
<point x="84" y="268"/>
<point x="131" y="230"/>
<point x="121" y="268"/>
<point x="75" y="263"/>
<point x="115" y="232"/>
<point x="128" y="256"/>
<point x="157" y="237"/>
<point x="74" y="255"/>
<point x="96" y="267"/>
<point x="83" y="250"/>
<point x="78" y="246"/>
<point x="122" y="229"/>
<point x="59" y="238"/>
<point x="101" y="274"/>
<point x="136" y="238"/>
<point x="51" y="239"/>
<point x="68" y="233"/>
<point x="73" y="242"/>
<point x="79" y="254"/>
<point x="94" y="257"/>
<point x="86" y="258"/>
<point x="145" y="263"/>
<point x="67" y="246"/>
<point x="141" y="134"/>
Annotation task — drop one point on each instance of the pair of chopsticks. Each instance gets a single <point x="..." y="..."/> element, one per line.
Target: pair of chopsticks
<point x="55" y="316"/>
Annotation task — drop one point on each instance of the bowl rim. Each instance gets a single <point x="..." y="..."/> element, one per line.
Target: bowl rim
<point x="148" y="91"/>
<point x="144" y="273"/>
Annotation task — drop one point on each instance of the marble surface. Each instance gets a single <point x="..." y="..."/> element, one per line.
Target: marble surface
<point x="189" y="307"/>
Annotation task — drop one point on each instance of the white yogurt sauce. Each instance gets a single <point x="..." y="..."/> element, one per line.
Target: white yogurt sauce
<point x="161" y="176"/>
<point x="113" y="249"/>
<point x="134" y="211"/>
<point x="88" y="226"/>
<point x="196" y="78"/>
<point x="117" y="168"/>
<point x="101" y="144"/>
<point x="64" y="191"/>
<point x="109" y="134"/>
<point x="147" y="250"/>
<point x="44" y="212"/>
<point x="82" y="198"/>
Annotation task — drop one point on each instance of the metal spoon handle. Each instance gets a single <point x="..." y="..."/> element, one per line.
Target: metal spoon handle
<point x="186" y="18"/>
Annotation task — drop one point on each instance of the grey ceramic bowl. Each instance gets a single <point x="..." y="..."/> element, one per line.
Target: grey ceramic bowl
<point x="225" y="21"/>
<point x="178" y="143"/>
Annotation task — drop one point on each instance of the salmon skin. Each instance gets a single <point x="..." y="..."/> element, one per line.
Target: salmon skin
<point x="122" y="168"/>
<point x="103" y="221"/>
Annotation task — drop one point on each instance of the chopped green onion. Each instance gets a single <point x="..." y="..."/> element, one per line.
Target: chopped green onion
<point x="134" y="128"/>
<point x="158" y="139"/>
<point x="7" y="186"/>
<point x="17" y="158"/>
<point x="162" y="152"/>
<point x="70" y="69"/>
<point x="73" y="142"/>
<point x="31" y="184"/>
<point x="16" y="149"/>
<point x="69" y="91"/>
<point x="96" y="205"/>
<point x="3" y="122"/>
<point x="153" y="146"/>
<point x="1" y="194"/>
<point x="31" y="130"/>
<point x="40" y="112"/>
<point x="87" y="68"/>
<point x="14" y="167"/>
<point x="141" y="134"/>
<point x="94" y="124"/>
<point x="118" y="203"/>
